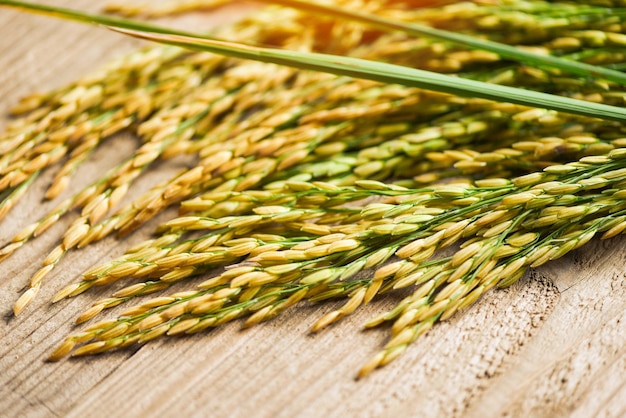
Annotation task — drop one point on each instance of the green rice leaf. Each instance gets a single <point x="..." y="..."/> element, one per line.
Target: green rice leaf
<point x="348" y="66"/>
<point x="388" y="73"/>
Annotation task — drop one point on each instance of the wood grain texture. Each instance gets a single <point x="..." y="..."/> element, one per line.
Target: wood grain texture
<point x="553" y="345"/>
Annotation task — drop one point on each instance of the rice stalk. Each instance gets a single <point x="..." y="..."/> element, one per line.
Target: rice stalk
<point x="310" y="187"/>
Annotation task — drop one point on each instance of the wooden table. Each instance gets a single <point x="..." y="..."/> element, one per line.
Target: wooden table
<point x="552" y="345"/>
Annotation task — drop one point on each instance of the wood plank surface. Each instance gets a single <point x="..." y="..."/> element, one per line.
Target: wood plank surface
<point x="553" y="345"/>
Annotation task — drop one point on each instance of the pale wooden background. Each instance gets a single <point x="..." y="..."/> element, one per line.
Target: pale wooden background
<point x="553" y="345"/>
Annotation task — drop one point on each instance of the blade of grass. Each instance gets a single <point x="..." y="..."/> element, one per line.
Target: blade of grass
<point x="506" y="51"/>
<point x="353" y="67"/>
<point x="388" y="73"/>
